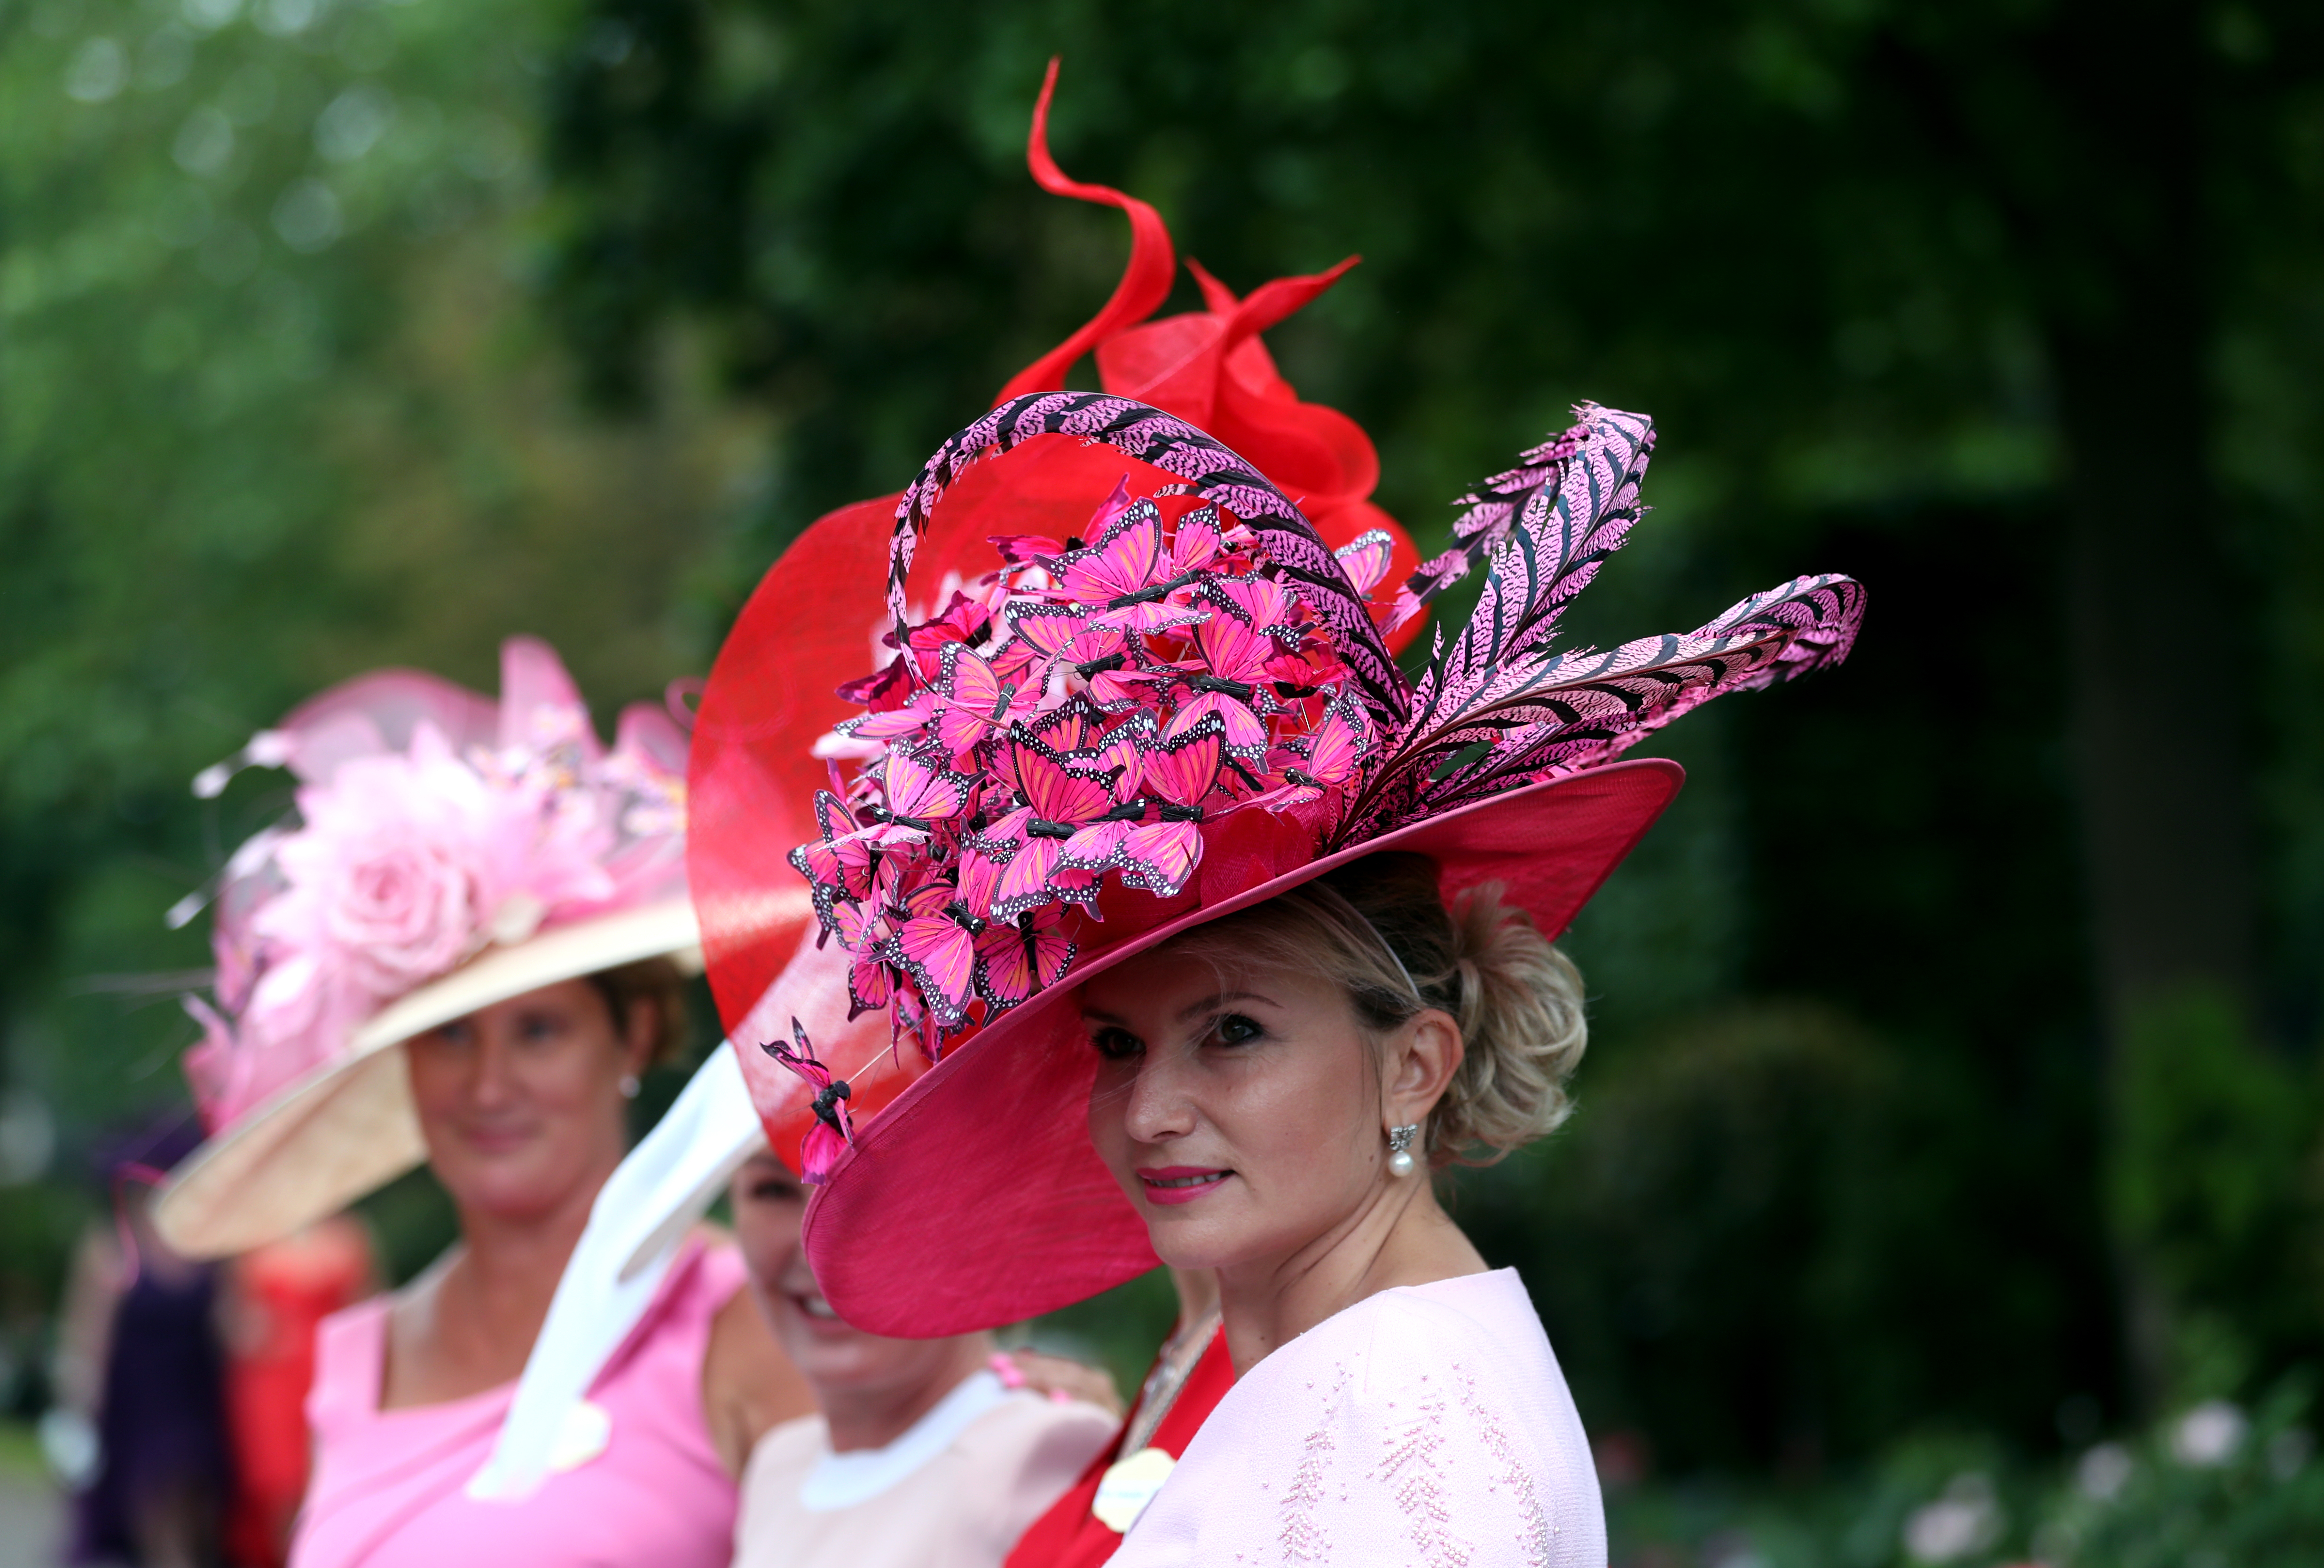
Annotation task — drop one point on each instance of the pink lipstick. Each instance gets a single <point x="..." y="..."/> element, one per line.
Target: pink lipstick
<point x="1180" y="1183"/>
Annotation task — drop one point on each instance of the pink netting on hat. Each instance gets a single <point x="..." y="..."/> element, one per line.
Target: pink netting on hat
<point x="432" y="824"/>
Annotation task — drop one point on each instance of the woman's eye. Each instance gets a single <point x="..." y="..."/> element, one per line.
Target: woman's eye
<point x="1116" y="1045"/>
<point x="776" y="1192"/>
<point x="1235" y="1029"/>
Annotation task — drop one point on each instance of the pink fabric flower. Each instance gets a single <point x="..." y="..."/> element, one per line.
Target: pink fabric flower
<point x="408" y="859"/>
<point x="391" y="873"/>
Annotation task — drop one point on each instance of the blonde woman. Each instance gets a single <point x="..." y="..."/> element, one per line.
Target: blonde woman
<point x="1231" y="935"/>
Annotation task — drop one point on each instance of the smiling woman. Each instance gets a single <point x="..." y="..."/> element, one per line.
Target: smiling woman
<point x="1264" y="1082"/>
<point x="1294" y="1049"/>
<point x="928" y="1453"/>
<point x="463" y="950"/>
<point x="1238" y="935"/>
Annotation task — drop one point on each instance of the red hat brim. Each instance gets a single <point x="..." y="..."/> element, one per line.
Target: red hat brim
<point x="975" y="1199"/>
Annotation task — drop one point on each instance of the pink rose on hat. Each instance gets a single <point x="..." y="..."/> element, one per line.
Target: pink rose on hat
<point x="410" y="862"/>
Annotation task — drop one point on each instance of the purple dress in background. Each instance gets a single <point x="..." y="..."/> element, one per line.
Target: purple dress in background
<point x="161" y="1419"/>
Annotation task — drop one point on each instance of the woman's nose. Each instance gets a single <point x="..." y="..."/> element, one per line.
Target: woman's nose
<point x="1158" y="1106"/>
<point x="492" y="1082"/>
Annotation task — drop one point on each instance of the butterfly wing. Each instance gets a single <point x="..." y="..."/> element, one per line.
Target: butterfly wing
<point x="1028" y="880"/>
<point x="1046" y="626"/>
<point x="819" y="1150"/>
<point x="1072" y="790"/>
<point x="1196" y="542"/>
<point x="940" y="955"/>
<point x="1015" y="963"/>
<point x="1049" y="950"/>
<point x="1159" y="856"/>
<point x="1243" y="731"/>
<point x="804" y="1064"/>
<point x="917" y="789"/>
<point x="1335" y="751"/>
<point x="892" y="724"/>
<point x="966" y="680"/>
<point x="1365" y="558"/>
<point x="1234" y="649"/>
<point x="1072" y="726"/>
<point x="1126" y="559"/>
<point x="1184" y="766"/>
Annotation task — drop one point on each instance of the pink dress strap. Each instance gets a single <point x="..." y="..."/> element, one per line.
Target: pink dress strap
<point x="638" y="1481"/>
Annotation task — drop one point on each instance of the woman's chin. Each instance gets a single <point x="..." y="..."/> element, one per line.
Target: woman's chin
<point x="509" y="1187"/>
<point x="1186" y="1240"/>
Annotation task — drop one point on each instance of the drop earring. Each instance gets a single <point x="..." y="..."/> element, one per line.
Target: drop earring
<point x="629" y="1085"/>
<point x="1400" y="1162"/>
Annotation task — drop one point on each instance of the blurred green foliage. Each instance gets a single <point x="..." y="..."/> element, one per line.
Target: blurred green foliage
<point x="274" y="409"/>
<point x="2214" y="1186"/>
<point x="1880" y="1137"/>
<point x="2213" y="1484"/>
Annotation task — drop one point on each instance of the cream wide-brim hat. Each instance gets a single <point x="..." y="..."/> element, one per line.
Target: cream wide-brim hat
<point x="349" y="1126"/>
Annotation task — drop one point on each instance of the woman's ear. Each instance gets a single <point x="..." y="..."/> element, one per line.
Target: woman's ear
<point x="642" y="1032"/>
<point x="1422" y="1058"/>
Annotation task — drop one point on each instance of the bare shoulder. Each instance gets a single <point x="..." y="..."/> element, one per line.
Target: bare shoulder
<point x="748" y="1384"/>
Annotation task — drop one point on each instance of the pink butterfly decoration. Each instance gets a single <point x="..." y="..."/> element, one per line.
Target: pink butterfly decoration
<point x="834" y="1129"/>
<point x="973" y="703"/>
<point x="936" y="944"/>
<point x="1069" y="810"/>
<point x="1015" y="962"/>
<point x="1322" y="760"/>
<point x="920" y="793"/>
<point x="1128" y="580"/>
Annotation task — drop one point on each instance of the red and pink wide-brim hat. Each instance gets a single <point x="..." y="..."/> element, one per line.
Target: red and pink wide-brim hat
<point x="987" y="844"/>
<point x="971" y="1196"/>
<point x="1014" y="1215"/>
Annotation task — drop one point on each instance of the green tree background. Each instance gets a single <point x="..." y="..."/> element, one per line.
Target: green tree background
<point x="1954" y="1066"/>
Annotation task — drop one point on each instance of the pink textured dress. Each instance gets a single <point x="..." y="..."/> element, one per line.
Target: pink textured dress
<point x="636" y="1481"/>
<point x="1426" y="1425"/>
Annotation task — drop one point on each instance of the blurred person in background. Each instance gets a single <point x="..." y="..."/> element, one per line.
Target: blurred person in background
<point x="139" y="1427"/>
<point x="463" y="950"/>
<point x="925" y="1453"/>
<point x="275" y="1295"/>
<point x="937" y="1451"/>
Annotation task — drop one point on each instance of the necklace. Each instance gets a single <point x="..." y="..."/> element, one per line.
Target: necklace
<point x="1168" y="1379"/>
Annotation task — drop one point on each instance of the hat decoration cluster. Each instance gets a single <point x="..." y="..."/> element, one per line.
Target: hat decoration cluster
<point x="1084" y="715"/>
<point x="430" y="824"/>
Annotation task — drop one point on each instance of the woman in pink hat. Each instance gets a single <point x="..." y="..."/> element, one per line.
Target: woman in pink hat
<point x="1213" y="934"/>
<point x="464" y="949"/>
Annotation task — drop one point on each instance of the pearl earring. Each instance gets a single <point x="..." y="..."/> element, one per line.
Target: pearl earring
<point x="1399" y="1150"/>
<point x="629" y="1085"/>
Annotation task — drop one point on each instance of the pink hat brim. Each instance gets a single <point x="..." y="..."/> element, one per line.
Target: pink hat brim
<point x="975" y="1199"/>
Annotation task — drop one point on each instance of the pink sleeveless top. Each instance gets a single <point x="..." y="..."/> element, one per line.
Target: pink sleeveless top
<point x="639" y="1481"/>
